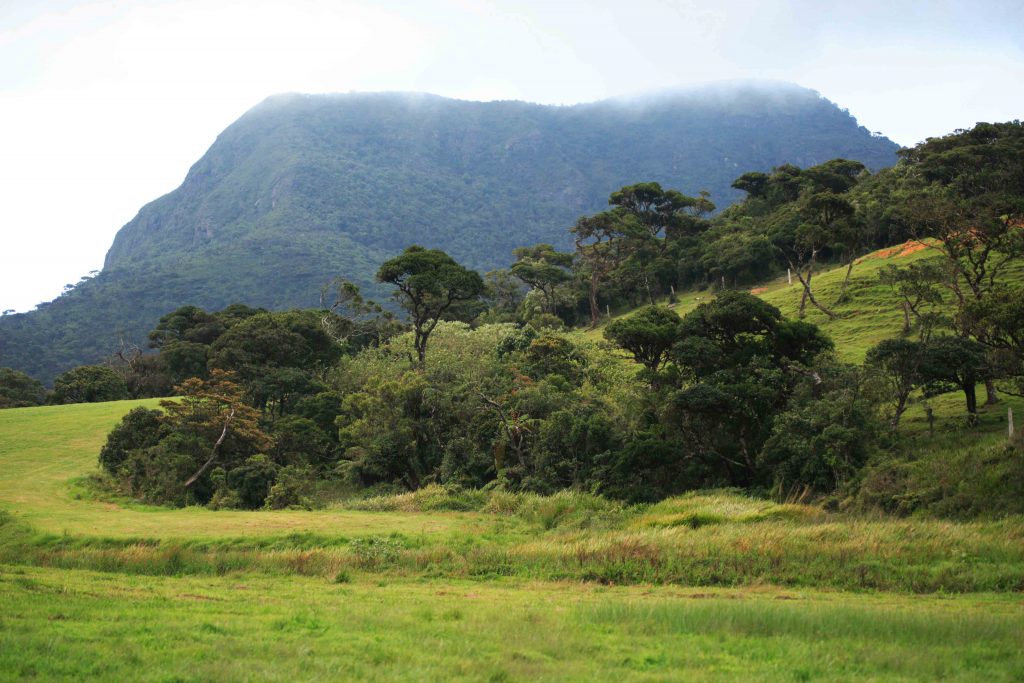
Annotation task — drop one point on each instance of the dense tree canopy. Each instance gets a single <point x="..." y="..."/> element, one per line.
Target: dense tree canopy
<point x="430" y="283"/>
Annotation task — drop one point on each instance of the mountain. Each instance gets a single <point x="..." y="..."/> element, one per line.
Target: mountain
<point x="303" y="188"/>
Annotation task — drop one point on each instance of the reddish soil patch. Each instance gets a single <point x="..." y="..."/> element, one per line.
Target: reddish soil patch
<point x="897" y="251"/>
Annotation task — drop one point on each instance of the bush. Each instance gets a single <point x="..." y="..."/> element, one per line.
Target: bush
<point x="300" y="441"/>
<point x="18" y="390"/>
<point x="972" y="482"/>
<point x="293" y="488"/>
<point x="375" y="552"/>
<point x="138" y="430"/>
<point x="252" y="480"/>
<point x="89" y="384"/>
<point x="158" y="474"/>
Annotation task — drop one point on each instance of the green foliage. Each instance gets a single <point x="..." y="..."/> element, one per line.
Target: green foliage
<point x="18" y="390"/>
<point x="648" y="334"/>
<point x="89" y="384"/>
<point x="140" y="429"/>
<point x="825" y="436"/>
<point x="251" y="480"/>
<point x="430" y="284"/>
<point x="958" y="363"/>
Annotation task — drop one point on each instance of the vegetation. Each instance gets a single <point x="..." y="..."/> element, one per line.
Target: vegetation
<point x="721" y="439"/>
<point x="18" y="390"/>
<point x="719" y="538"/>
<point x="278" y="405"/>
<point x="309" y="188"/>
<point x="74" y="625"/>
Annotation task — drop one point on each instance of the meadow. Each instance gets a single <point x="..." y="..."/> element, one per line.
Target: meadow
<point x="483" y="585"/>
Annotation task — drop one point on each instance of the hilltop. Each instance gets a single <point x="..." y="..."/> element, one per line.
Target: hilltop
<point x="304" y="188"/>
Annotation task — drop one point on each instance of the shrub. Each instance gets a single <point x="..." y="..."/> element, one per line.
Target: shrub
<point x="252" y="480"/>
<point x="18" y="390"/>
<point x="89" y="384"/>
<point x="293" y="488"/>
<point x="138" y="430"/>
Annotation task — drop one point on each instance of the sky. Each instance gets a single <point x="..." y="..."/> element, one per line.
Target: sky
<point x="105" y="104"/>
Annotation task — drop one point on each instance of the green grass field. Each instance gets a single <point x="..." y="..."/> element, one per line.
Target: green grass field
<point x="711" y="586"/>
<point x="89" y="625"/>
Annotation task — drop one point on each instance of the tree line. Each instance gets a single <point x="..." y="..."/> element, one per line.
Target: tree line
<point x="478" y="384"/>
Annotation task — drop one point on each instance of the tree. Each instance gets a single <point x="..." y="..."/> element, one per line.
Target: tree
<point x="544" y="269"/>
<point x="89" y="384"/>
<point x="18" y="390"/>
<point x="822" y="214"/>
<point x="824" y="436"/>
<point x="739" y="361"/>
<point x="352" y="321"/>
<point x="598" y="245"/>
<point x="429" y="283"/>
<point x="648" y="334"/>
<point x="754" y="183"/>
<point x="651" y="219"/>
<point x="964" y="192"/>
<point x="636" y="234"/>
<point x="955" y="362"/>
<point x="918" y="288"/>
<point x="140" y="429"/>
<point x="899" y="363"/>
<point x="1002" y="315"/>
<point x="504" y="293"/>
<point x="216" y="423"/>
<point x="187" y="323"/>
<point x="276" y="356"/>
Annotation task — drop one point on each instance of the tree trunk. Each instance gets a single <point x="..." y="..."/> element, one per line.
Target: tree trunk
<point x="420" y="342"/>
<point x="906" y="318"/>
<point x="991" y="395"/>
<point x="213" y="452"/>
<point x="846" y="281"/>
<point x="803" y="296"/>
<point x="901" y="407"/>
<point x="595" y="312"/>
<point x="809" y="295"/>
<point x="972" y="404"/>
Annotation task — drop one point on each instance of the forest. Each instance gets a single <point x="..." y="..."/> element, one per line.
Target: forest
<point x="574" y="369"/>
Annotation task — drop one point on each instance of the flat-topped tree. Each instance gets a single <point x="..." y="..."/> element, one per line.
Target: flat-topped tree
<point x="429" y="283"/>
<point x="544" y="269"/>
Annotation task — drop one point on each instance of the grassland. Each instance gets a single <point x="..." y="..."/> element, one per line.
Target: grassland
<point x="89" y="625"/>
<point x="711" y="586"/>
<point x="870" y="314"/>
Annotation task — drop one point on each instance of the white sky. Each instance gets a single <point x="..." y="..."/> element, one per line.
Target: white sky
<point x="105" y="104"/>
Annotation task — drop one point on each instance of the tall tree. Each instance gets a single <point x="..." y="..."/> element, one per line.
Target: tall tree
<point x="429" y="283"/>
<point x="544" y="269"/>
<point x="823" y="213"/>
<point x="598" y="245"/>
<point x="964" y="197"/>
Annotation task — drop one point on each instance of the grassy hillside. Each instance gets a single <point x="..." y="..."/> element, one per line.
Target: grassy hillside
<point x="872" y="312"/>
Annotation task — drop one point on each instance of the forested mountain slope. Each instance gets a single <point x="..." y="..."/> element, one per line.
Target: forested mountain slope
<point x="305" y="188"/>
